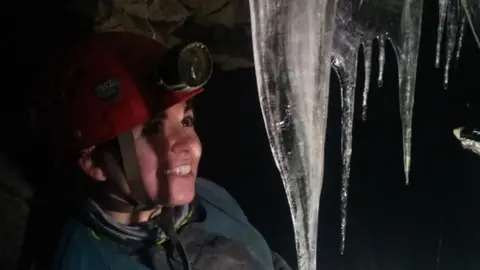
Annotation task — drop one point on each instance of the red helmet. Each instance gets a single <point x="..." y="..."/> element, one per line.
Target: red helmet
<point x="98" y="89"/>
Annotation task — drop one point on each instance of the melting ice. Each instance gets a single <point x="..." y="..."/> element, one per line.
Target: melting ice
<point x="398" y="21"/>
<point x="472" y="12"/>
<point x="293" y="42"/>
<point x="358" y="24"/>
<point x="292" y="49"/>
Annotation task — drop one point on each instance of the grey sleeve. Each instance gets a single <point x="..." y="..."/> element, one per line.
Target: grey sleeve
<point x="279" y="263"/>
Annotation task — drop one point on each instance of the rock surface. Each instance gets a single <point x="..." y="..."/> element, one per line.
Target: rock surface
<point x="223" y="25"/>
<point x="14" y="195"/>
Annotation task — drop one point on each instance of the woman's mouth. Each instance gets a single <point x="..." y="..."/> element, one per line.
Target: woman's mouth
<point x="180" y="170"/>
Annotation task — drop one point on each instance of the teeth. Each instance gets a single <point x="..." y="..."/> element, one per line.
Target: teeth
<point x="180" y="170"/>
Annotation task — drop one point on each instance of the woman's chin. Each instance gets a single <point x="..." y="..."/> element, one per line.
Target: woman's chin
<point x="181" y="191"/>
<point x="182" y="198"/>
<point x="175" y="191"/>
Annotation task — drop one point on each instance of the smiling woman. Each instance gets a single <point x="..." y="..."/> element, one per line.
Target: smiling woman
<point x="168" y="152"/>
<point x="119" y="105"/>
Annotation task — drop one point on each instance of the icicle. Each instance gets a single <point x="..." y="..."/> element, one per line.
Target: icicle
<point x="381" y="59"/>
<point x="346" y="70"/>
<point x="463" y="22"/>
<point x="442" y="14"/>
<point x="452" y="28"/>
<point x="345" y="50"/>
<point x="367" y="51"/>
<point x="348" y="108"/>
<point x="407" y="54"/>
<point x="471" y="9"/>
<point x="292" y="43"/>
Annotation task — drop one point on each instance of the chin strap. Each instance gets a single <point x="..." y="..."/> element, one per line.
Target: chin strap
<point x="166" y="219"/>
<point x="129" y="179"/>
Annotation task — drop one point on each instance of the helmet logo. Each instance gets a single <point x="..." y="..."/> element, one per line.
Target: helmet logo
<point x="109" y="90"/>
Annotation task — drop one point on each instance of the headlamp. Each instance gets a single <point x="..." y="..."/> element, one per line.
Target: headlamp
<point x="186" y="67"/>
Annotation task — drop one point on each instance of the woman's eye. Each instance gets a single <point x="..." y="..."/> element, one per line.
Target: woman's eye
<point x="188" y="121"/>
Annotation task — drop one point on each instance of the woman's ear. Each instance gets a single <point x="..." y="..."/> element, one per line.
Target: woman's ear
<point x="89" y="166"/>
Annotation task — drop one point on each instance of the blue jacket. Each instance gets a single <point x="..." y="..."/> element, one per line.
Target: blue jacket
<point x="81" y="249"/>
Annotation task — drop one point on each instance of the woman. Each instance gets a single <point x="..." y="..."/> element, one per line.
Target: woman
<point x="118" y="106"/>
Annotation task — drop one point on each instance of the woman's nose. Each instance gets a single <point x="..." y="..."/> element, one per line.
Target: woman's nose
<point x="182" y="140"/>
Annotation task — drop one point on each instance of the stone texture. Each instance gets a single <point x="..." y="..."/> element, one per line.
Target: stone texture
<point x="223" y="25"/>
<point x="14" y="195"/>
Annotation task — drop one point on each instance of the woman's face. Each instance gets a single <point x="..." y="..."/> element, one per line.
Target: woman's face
<point x="168" y="152"/>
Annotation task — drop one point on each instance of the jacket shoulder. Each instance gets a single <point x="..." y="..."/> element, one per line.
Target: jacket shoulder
<point x="225" y="217"/>
<point x="81" y="249"/>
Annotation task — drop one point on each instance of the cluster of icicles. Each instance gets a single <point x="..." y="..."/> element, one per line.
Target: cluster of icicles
<point x="404" y="34"/>
<point x="295" y="43"/>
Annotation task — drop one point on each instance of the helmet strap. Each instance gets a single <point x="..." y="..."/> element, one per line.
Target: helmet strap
<point x="135" y="198"/>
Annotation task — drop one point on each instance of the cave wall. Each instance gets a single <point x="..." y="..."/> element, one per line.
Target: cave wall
<point x="223" y="25"/>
